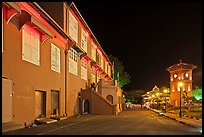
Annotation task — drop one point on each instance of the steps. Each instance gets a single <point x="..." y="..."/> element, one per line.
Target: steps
<point x="39" y="121"/>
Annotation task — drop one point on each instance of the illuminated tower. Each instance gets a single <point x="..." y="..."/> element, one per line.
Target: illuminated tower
<point x="181" y="79"/>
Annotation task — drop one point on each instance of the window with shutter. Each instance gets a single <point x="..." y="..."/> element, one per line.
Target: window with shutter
<point x="83" y="69"/>
<point x="102" y="61"/>
<point x="30" y="45"/>
<point x="93" y="76"/>
<point x="73" y="27"/>
<point x="83" y="40"/>
<point x="73" y="61"/>
<point x="93" y="52"/>
<point x="55" y="58"/>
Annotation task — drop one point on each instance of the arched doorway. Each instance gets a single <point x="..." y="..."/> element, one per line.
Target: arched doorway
<point x="176" y="102"/>
<point x="85" y="106"/>
<point x="110" y="98"/>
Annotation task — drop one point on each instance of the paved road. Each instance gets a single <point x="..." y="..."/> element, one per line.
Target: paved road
<point x="129" y="122"/>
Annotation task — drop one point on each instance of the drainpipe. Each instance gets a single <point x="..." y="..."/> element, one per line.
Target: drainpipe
<point x="66" y="79"/>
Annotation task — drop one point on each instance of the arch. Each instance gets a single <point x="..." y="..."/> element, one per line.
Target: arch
<point x="85" y="108"/>
<point x="176" y="102"/>
<point x="110" y="98"/>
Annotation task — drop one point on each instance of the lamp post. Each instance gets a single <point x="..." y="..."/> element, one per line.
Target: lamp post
<point x="153" y="100"/>
<point x="165" y="91"/>
<point x="157" y="97"/>
<point x="180" y="84"/>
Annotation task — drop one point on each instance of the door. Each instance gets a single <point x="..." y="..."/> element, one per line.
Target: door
<point x="55" y="102"/>
<point x="40" y="104"/>
<point x="6" y="100"/>
<point x="176" y="102"/>
<point x="86" y="106"/>
<point x="110" y="98"/>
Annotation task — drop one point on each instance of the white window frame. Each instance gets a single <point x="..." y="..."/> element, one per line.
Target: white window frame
<point x="55" y="58"/>
<point x="102" y="62"/>
<point x="73" y="57"/>
<point x="98" y="76"/>
<point x="83" y="40"/>
<point x="106" y="70"/>
<point x="30" y="45"/>
<point x="93" y="52"/>
<point x="83" y="69"/>
<point x="93" y="75"/>
<point x="73" y="27"/>
<point x="109" y="70"/>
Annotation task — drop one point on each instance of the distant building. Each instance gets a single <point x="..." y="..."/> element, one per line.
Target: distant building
<point x="52" y="64"/>
<point x="180" y="73"/>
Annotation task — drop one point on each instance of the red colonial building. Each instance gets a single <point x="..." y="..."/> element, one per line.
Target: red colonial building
<point x="53" y="65"/>
<point x="181" y="79"/>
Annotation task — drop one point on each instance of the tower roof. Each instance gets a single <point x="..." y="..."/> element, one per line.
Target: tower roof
<point x="181" y="65"/>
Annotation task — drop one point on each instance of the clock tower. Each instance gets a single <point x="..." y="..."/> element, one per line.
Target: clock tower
<point x="181" y="80"/>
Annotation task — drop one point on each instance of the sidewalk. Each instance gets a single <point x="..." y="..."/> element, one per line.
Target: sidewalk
<point x="185" y="120"/>
<point x="10" y="126"/>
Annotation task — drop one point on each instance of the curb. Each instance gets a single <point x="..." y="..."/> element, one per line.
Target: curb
<point x="179" y="120"/>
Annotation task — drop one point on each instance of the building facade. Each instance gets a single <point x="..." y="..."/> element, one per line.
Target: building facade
<point x="181" y="79"/>
<point x="48" y="61"/>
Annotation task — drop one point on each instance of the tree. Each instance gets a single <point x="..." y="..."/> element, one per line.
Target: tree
<point x="119" y="73"/>
<point x="197" y="93"/>
<point x="135" y="96"/>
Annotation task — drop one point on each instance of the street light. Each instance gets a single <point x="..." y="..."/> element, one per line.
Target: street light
<point x="157" y="97"/>
<point x="153" y="100"/>
<point x="180" y="84"/>
<point x="165" y="91"/>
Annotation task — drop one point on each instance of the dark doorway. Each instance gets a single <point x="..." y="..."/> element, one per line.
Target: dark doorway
<point x="86" y="107"/>
<point x="110" y="98"/>
<point x="40" y="104"/>
<point x="54" y="102"/>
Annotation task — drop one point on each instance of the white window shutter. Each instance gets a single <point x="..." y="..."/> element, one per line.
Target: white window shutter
<point x="55" y="58"/>
<point x="73" y="27"/>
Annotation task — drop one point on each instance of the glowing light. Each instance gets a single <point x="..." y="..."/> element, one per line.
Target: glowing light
<point x="165" y="91"/>
<point x="189" y="88"/>
<point x="180" y="84"/>
<point x="157" y="93"/>
<point x="186" y="74"/>
<point x="37" y="93"/>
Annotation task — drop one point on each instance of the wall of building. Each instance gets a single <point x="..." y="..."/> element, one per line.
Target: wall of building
<point x="97" y="103"/>
<point x="27" y="77"/>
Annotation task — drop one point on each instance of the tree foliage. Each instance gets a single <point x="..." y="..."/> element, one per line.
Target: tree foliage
<point x="135" y="96"/>
<point x="119" y="72"/>
<point x="197" y="93"/>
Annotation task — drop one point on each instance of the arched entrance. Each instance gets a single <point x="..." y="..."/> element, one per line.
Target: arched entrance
<point x="176" y="102"/>
<point x="85" y="106"/>
<point x="110" y="98"/>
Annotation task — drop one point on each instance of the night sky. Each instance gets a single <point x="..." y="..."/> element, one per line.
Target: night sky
<point x="148" y="37"/>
